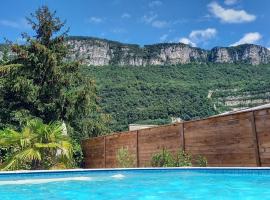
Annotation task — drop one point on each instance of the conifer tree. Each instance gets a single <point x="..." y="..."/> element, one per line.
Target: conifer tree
<point x="41" y="83"/>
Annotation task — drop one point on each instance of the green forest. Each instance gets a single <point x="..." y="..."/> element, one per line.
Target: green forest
<point x="154" y="94"/>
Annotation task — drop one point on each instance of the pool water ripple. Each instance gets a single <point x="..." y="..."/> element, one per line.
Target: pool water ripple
<point x="137" y="185"/>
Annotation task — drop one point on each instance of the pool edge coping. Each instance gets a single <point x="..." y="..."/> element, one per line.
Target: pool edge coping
<point x="130" y="169"/>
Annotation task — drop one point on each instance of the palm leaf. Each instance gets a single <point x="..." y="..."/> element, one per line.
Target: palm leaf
<point x="47" y="145"/>
<point x="9" y="137"/>
<point x="10" y="165"/>
<point x="29" y="154"/>
<point x="26" y="155"/>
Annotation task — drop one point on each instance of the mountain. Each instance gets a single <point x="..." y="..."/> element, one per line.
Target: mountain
<point x="154" y="94"/>
<point x="100" y="52"/>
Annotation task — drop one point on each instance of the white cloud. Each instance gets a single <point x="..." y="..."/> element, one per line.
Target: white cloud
<point x="202" y="35"/>
<point x="119" y="30"/>
<point x="163" y="37"/>
<point x="155" y="4"/>
<point x="199" y="36"/>
<point x="125" y="16"/>
<point x="22" y="23"/>
<point x="149" y="18"/>
<point x="248" y="38"/>
<point x="96" y="20"/>
<point x="231" y="2"/>
<point x="9" y="23"/>
<point x="160" y="23"/>
<point x="230" y="15"/>
<point x="187" y="41"/>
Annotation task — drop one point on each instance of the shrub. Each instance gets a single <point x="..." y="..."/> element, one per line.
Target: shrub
<point x="183" y="159"/>
<point x="201" y="161"/>
<point x="124" y="158"/>
<point x="163" y="159"/>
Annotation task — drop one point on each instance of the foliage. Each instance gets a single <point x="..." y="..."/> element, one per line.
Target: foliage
<point x="183" y="159"/>
<point x="124" y="158"/>
<point x="165" y="159"/>
<point x="40" y="83"/>
<point x="201" y="161"/>
<point x="144" y="94"/>
<point x="5" y="57"/>
<point x="37" y="146"/>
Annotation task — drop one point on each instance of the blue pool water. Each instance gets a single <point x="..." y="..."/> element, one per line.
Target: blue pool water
<point x="145" y="184"/>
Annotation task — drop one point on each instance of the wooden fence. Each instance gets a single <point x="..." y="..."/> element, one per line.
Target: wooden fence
<point x="240" y="139"/>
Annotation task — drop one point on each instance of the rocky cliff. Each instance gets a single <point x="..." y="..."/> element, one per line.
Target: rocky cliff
<point x="95" y="51"/>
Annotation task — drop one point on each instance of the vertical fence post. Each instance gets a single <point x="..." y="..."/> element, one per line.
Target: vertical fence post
<point x="256" y="143"/>
<point x="137" y="148"/>
<point x="104" y="151"/>
<point x="183" y="136"/>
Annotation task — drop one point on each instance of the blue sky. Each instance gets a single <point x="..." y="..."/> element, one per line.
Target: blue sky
<point x="201" y="23"/>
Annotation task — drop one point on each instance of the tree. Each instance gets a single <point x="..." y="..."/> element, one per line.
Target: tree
<point x="37" y="146"/>
<point x="41" y="83"/>
<point x="5" y="57"/>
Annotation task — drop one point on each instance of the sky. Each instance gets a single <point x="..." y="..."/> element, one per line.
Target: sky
<point x="199" y="23"/>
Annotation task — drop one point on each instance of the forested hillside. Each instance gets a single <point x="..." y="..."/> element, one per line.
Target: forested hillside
<point x="154" y="94"/>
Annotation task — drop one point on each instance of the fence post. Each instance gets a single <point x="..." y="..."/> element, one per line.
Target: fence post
<point x="256" y="143"/>
<point x="104" y="151"/>
<point x="183" y="136"/>
<point x="137" y="148"/>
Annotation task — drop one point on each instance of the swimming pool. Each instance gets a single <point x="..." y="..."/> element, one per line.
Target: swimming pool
<point x="141" y="184"/>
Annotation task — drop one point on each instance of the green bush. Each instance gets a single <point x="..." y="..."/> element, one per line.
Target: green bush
<point x="124" y="158"/>
<point x="201" y="161"/>
<point x="183" y="159"/>
<point x="163" y="159"/>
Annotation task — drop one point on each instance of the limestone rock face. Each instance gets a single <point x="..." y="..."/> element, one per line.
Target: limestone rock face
<point x="220" y="55"/>
<point x="100" y="52"/>
<point x="246" y="53"/>
<point x="97" y="52"/>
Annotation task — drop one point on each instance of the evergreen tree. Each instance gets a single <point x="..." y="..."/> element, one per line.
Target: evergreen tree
<point x="40" y="83"/>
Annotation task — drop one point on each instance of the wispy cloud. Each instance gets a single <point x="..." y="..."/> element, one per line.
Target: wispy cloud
<point x="119" y="30"/>
<point x="248" y="38"/>
<point x="230" y="2"/>
<point x="96" y="20"/>
<point x="163" y="38"/>
<point x="152" y="19"/>
<point x="199" y="36"/>
<point x="230" y="15"/>
<point x="149" y="18"/>
<point x="125" y="16"/>
<point x="187" y="41"/>
<point x="155" y="4"/>
<point x="19" y="24"/>
<point x="160" y="23"/>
